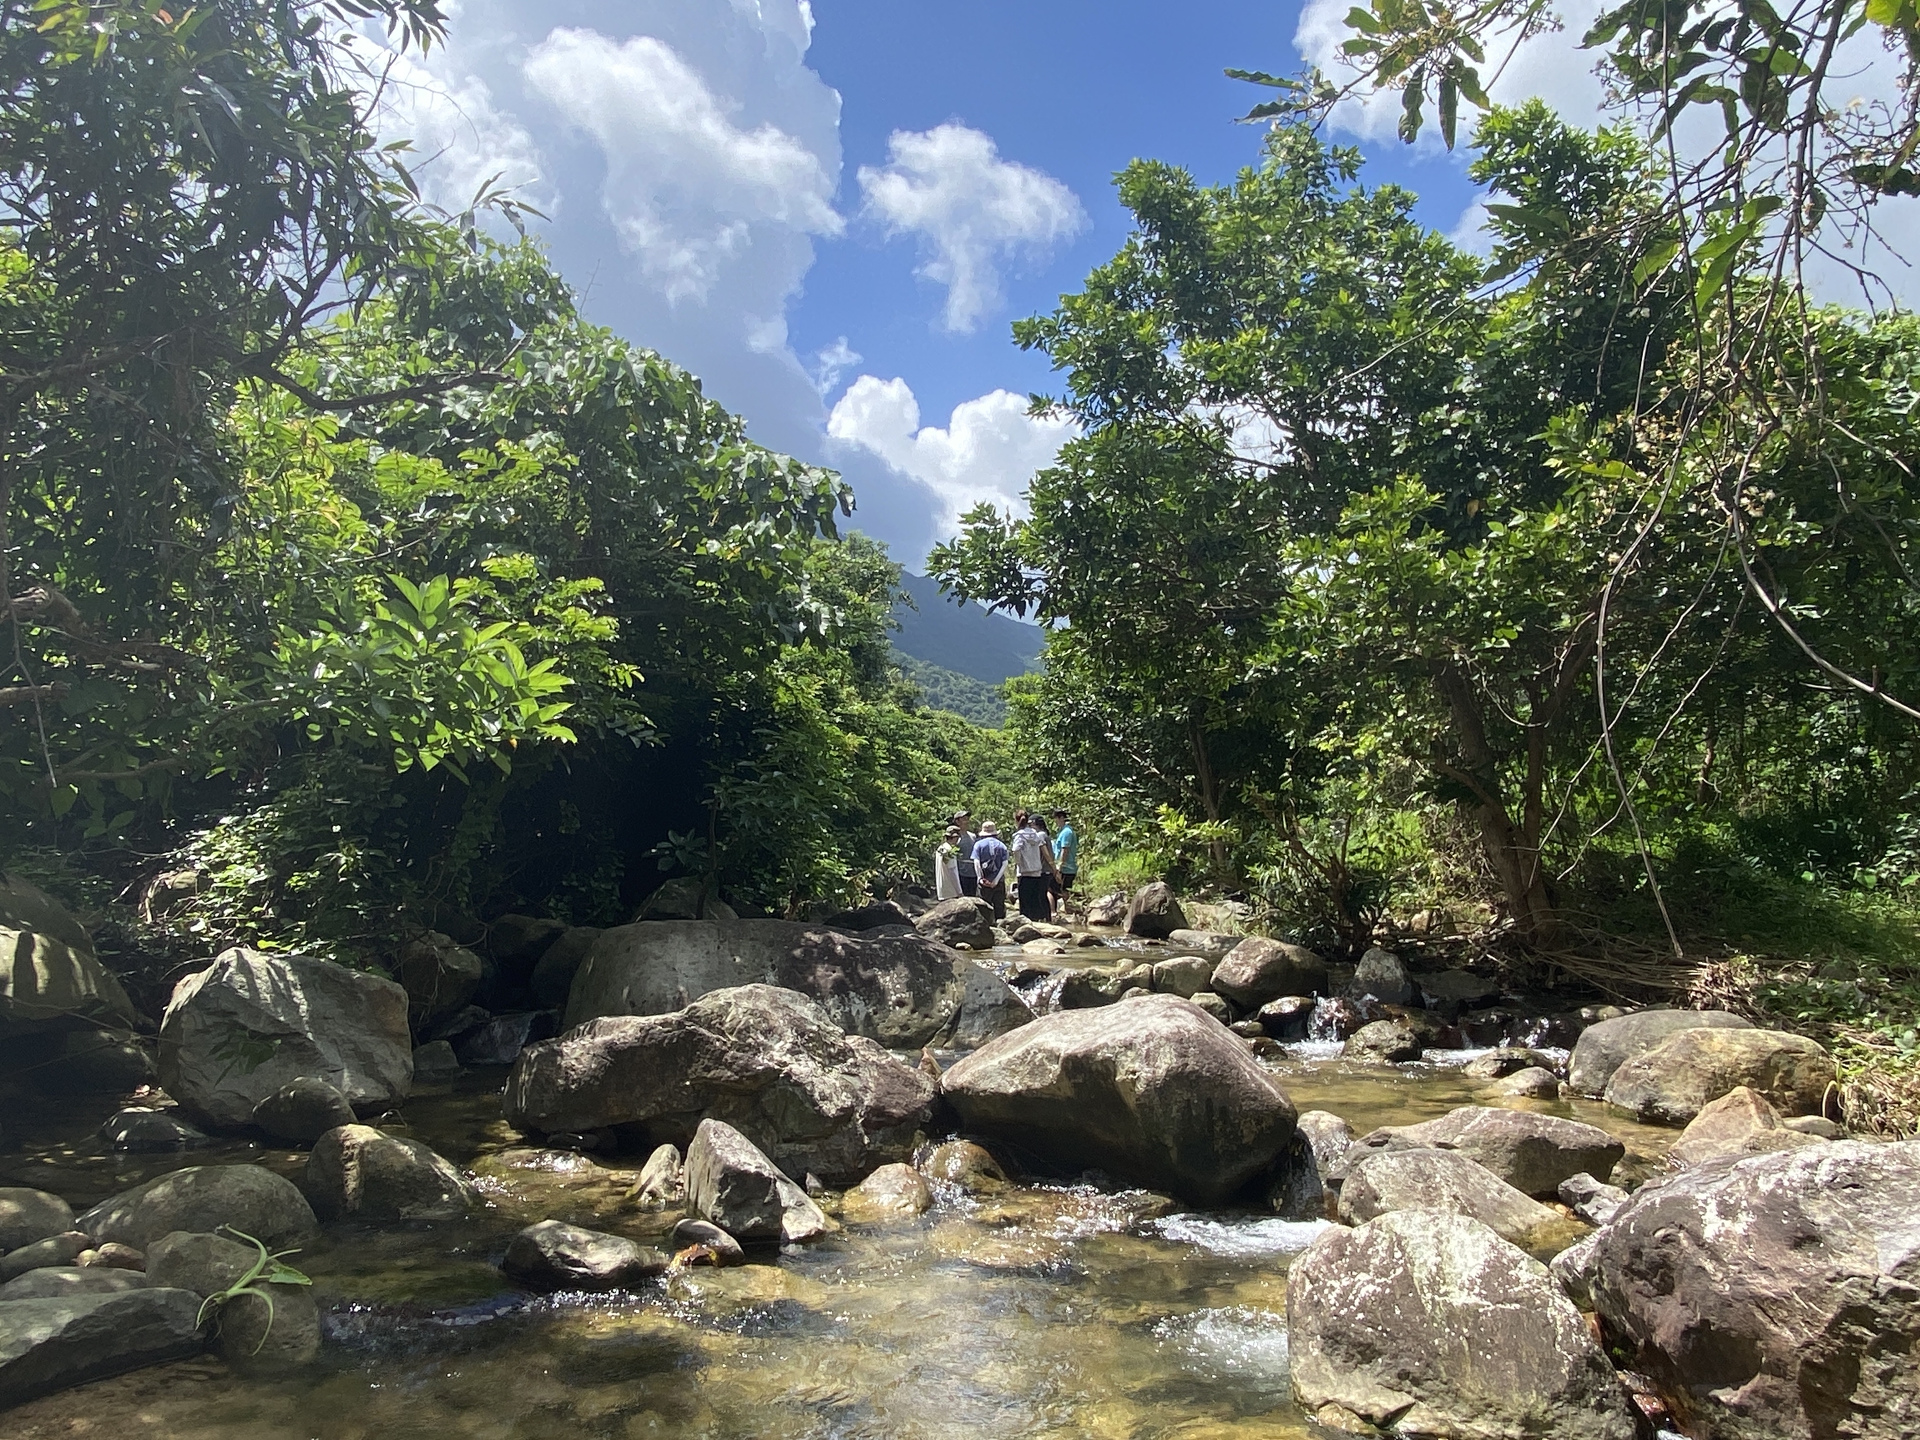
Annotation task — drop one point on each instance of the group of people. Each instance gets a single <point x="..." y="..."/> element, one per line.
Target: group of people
<point x="1044" y="861"/>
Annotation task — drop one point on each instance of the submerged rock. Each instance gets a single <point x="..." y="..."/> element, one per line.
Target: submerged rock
<point x="250" y="1023"/>
<point x="51" y="1344"/>
<point x="1380" y="1182"/>
<point x="1433" y="1325"/>
<point x="767" y="1061"/>
<point x="137" y="1130"/>
<point x="1533" y="1153"/>
<point x="1604" y="1047"/>
<point x="1257" y="972"/>
<point x="1153" y="1092"/>
<point x="1154" y="912"/>
<point x="1774" y="1296"/>
<point x="731" y="1183"/>
<point x="555" y="1256"/>
<point x="245" y="1198"/>
<point x="1675" y="1080"/>
<point x="358" y="1170"/>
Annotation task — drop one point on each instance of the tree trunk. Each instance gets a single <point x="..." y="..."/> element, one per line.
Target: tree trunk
<point x="1513" y="850"/>
<point x="1209" y="792"/>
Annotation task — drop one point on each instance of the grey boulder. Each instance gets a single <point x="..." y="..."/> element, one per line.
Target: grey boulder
<point x="137" y="1130"/>
<point x="250" y="1023"/>
<point x="553" y="1255"/>
<point x="731" y="1183"/>
<point x="1153" y="1091"/>
<point x="439" y="977"/>
<point x="1533" y="1153"/>
<point x="301" y="1111"/>
<point x="1154" y="913"/>
<point x="1678" y="1078"/>
<point x="1381" y="975"/>
<point x="1258" y="971"/>
<point x="57" y="1282"/>
<point x="960" y="921"/>
<point x="767" y="1061"/>
<point x="29" y="1215"/>
<point x="1380" y="1182"/>
<point x="1774" y="1296"/>
<point x="1384" y="1042"/>
<point x="356" y="1170"/>
<point x="1605" y="1047"/>
<point x="51" y="1344"/>
<point x="269" y="1323"/>
<point x="1184" y="975"/>
<point x="49" y="974"/>
<point x="1432" y="1325"/>
<point x="552" y="978"/>
<point x="245" y="1198"/>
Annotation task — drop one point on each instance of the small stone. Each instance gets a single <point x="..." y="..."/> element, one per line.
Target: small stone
<point x="1503" y="1061"/>
<point x="1384" y="1042"/>
<point x="661" y="1183"/>
<point x="1287" y="1018"/>
<point x="1213" y="1005"/>
<point x="1594" y="1201"/>
<point x="722" y="1248"/>
<point x="964" y="1164"/>
<point x="1184" y="976"/>
<point x="1530" y="1084"/>
<point x="114" y="1256"/>
<point x="553" y="1255"/>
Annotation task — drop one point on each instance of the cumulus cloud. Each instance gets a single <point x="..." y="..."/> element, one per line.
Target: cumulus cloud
<point x="989" y="449"/>
<point x="687" y="186"/>
<point x="971" y="211"/>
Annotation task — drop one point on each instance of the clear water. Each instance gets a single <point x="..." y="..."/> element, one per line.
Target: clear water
<point x="1041" y="1312"/>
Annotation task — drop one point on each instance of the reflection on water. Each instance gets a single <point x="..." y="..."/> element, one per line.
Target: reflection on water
<point x="1055" y="1311"/>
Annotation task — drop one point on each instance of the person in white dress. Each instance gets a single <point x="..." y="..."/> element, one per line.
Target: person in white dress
<point x="946" y="866"/>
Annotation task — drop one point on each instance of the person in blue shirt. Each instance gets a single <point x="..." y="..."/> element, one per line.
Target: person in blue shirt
<point x="990" y="859"/>
<point x="1066" y="854"/>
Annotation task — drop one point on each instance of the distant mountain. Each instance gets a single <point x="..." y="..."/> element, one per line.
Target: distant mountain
<point x="964" y="638"/>
<point x="944" y="689"/>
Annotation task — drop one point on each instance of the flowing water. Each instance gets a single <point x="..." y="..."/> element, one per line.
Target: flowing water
<point x="1043" y="1311"/>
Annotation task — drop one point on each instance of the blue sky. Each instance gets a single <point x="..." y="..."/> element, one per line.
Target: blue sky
<point x="833" y="214"/>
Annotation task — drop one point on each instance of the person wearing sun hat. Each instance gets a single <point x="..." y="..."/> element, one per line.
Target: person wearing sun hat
<point x="990" y="860"/>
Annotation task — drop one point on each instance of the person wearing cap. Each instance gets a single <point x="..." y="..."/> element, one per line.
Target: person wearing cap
<point x="1066" y="853"/>
<point x="969" y="877"/>
<point x="990" y="861"/>
<point x="946" y="866"/>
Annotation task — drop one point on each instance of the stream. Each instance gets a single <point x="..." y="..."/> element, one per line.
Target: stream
<point x="1036" y="1311"/>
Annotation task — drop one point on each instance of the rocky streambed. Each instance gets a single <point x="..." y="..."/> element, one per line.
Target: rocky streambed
<point x="1183" y="1206"/>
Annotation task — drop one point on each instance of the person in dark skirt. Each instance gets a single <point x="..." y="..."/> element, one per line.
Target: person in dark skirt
<point x="1033" y="871"/>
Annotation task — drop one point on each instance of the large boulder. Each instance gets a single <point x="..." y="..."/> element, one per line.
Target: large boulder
<point x="49" y="974"/>
<point x="1533" y="1153"/>
<point x="29" y="1215"/>
<point x="51" y="1344"/>
<point x="1154" y="1092"/>
<point x="1258" y="971"/>
<point x="439" y="977"/>
<point x="904" y="991"/>
<point x="1431" y="1324"/>
<point x="964" y="920"/>
<point x="1385" y="1042"/>
<point x="1605" y="1047"/>
<point x="733" y="1184"/>
<point x="553" y="1255"/>
<point x="93" y="1062"/>
<point x="1774" y="1296"/>
<point x="1741" y="1122"/>
<point x="358" y="1170"/>
<point x="250" y="1023"/>
<point x="1154" y="912"/>
<point x="767" y="1061"/>
<point x="552" y="978"/>
<point x="1381" y="975"/>
<point x="244" y="1198"/>
<point x="1379" y="1182"/>
<point x="1675" y="1080"/>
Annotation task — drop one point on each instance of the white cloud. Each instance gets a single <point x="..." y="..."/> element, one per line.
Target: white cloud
<point x="833" y="362"/>
<point x="972" y="211"/>
<point x="990" y="448"/>
<point x="687" y="187"/>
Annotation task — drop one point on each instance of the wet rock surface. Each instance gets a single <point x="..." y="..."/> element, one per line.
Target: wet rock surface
<point x="553" y="1255"/>
<point x="733" y="1185"/>
<point x="50" y="1344"/>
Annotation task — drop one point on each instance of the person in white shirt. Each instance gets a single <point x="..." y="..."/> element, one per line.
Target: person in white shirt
<point x="1033" y="871"/>
<point x="946" y="866"/>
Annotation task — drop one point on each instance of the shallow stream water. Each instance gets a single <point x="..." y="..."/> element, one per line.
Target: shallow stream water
<point x="1044" y="1311"/>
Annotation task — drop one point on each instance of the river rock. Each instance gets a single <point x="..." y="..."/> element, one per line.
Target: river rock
<point x="1379" y="1182"/>
<point x="1774" y="1296"/>
<point x="1154" y="913"/>
<point x="869" y="917"/>
<point x="1594" y="1201"/>
<point x="434" y="1063"/>
<point x="1185" y="976"/>
<point x="1533" y="1153"/>
<point x="1108" y="909"/>
<point x="1530" y="1084"/>
<point x="1451" y="991"/>
<point x="964" y="1164"/>
<point x="1211" y="941"/>
<point x="1572" y="1270"/>
<point x="1287" y="1018"/>
<point x="731" y="1183"/>
<point x="1213" y="1005"/>
<point x="61" y="1249"/>
<point x="1671" y="1083"/>
<point x="517" y="943"/>
<point x="1152" y="1091"/>
<point x="49" y="974"/>
<point x="1258" y="971"/>
<point x="1741" y="1122"/>
<point x="553" y="1255"/>
<point x="1506" y="1060"/>
<point x="1433" y="1325"/>
<point x="51" y="1344"/>
<point x="890" y="1193"/>
<point x="662" y="1181"/>
<point x="138" y="1130"/>
<point x="1381" y="975"/>
<point x="904" y="991"/>
<point x="1384" y="1042"/>
<point x="686" y="897"/>
<point x="1328" y="1136"/>
<point x="245" y="1198"/>
<point x="552" y="978"/>
<point x="301" y="1111"/>
<point x="56" y="1282"/>
<point x="502" y="1038"/>
<point x="722" y="1249"/>
<point x="765" y="1060"/>
<point x="30" y="1215"/>
<point x="1604" y="1047"/>
<point x="95" y="1062"/>
<point x="245" y="1327"/>
<point x="358" y="1170"/>
<point x="989" y="1008"/>
<point x="439" y="977"/>
<point x="964" y="920"/>
<point x="250" y="1023"/>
